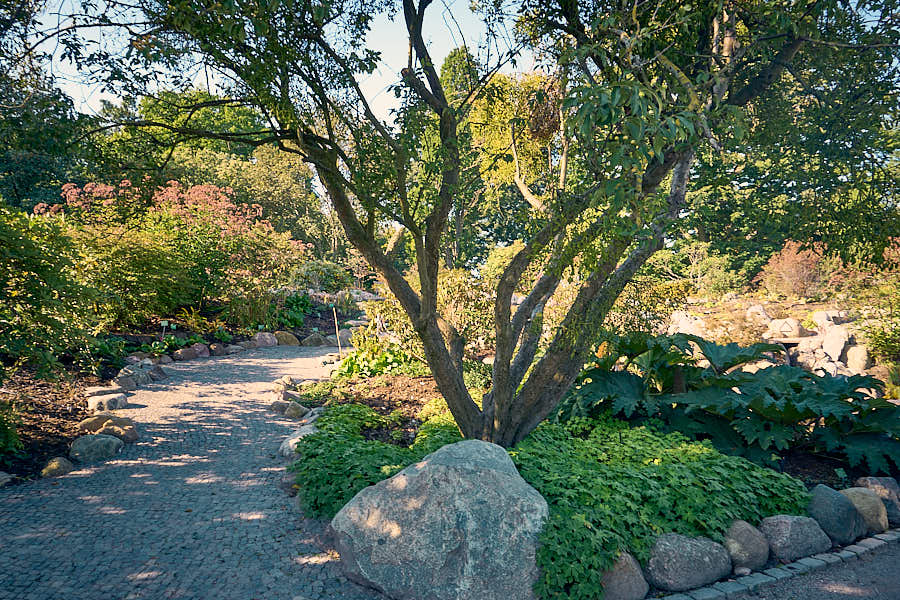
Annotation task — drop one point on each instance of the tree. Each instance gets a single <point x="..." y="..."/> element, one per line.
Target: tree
<point x="642" y="90"/>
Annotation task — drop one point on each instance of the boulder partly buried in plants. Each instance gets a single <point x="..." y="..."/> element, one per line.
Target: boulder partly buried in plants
<point x="870" y="507"/>
<point x="462" y="523"/>
<point x="792" y="537"/>
<point x="887" y="489"/>
<point x="679" y="563"/>
<point x="746" y="545"/>
<point x="625" y="580"/>
<point x="95" y="447"/>
<point x="286" y="338"/>
<point x="289" y="445"/>
<point x="836" y="515"/>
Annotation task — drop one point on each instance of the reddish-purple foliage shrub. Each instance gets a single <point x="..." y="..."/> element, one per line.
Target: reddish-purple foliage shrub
<point x="793" y="271"/>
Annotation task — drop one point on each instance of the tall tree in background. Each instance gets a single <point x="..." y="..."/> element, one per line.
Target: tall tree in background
<point x="642" y="89"/>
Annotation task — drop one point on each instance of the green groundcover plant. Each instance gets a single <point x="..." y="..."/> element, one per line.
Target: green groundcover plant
<point x="611" y="487"/>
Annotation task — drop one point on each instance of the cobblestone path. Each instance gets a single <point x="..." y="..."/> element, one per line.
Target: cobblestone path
<point x="191" y="510"/>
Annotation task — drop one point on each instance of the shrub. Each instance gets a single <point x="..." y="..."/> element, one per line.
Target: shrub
<point x="373" y="356"/>
<point x="614" y="488"/>
<point x="776" y="409"/>
<point x="794" y="271"/>
<point x="9" y="437"/>
<point x="44" y="312"/>
<point x="321" y="275"/>
<point x="337" y="462"/>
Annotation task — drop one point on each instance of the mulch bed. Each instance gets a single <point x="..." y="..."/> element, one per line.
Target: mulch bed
<point x="49" y="412"/>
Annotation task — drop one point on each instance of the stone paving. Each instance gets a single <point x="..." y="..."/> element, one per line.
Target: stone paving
<point x="194" y="509"/>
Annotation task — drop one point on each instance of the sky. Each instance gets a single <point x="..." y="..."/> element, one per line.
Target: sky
<point x="449" y="24"/>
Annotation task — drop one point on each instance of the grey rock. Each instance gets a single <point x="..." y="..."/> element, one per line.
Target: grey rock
<point x="887" y="489"/>
<point x="786" y="328"/>
<point x="792" y="537"/>
<point x="265" y="339"/>
<point x="744" y="571"/>
<point x="331" y="340"/>
<point x="459" y="524"/>
<point x="870" y="507"/>
<point x="758" y="313"/>
<point x="233" y="349"/>
<point x="746" y="546"/>
<point x="157" y="373"/>
<point x="188" y="353"/>
<point x="836" y="515"/>
<point x="679" y="563"/>
<point x="218" y="350"/>
<point x="279" y="406"/>
<point x="289" y="445"/>
<point x="111" y="402"/>
<point x="344" y="336"/>
<point x="5" y="478"/>
<point x="295" y="410"/>
<point x="625" y="580"/>
<point x="202" y="350"/>
<point x="836" y="339"/>
<point x="315" y="339"/>
<point x="165" y="359"/>
<point x="248" y="345"/>
<point x="57" y="467"/>
<point x="102" y="391"/>
<point x="810" y="344"/>
<point x="94" y="448"/>
<point x="286" y="338"/>
<point x="126" y="383"/>
<point x="858" y="359"/>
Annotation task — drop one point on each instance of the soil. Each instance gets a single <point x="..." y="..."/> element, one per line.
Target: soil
<point x="49" y="412"/>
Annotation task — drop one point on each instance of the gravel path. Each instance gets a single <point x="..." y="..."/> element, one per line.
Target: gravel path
<point x="192" y="510"/>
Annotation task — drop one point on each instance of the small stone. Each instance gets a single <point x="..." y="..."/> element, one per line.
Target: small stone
<point x="94" y="448"/>
<point x="102" y="391"/>
<point x="57" y="466"/>
<point x="217" y="349"/>
<point x="858" y="359"/>
<point x="120" y="427"/>
<point x="265" y="339"/>
<point x="742" y="571"/>
<point x="887" y="489"/>
<point x="706" y="593"/>
<point x="836" y="515"/>
<point x="111" y="402"/>
<point x="872" y="543"/>
<point x="165" y="359"/>
<point x="746" y="545"/>
<point x="679" y="563"/>
<point x="814" y="564"/>
<point x="233" y="349"/>
<point x="791" y="537"/>
<point x="286" y="338"/>
<point x="5" y="478"/>
<point x="157" y="373"/>
<point x="845" y="555"/>
<point x="625" y="580"/>
<point x="755" y="580"/>
<point x="778" y="573"/>
<point x="870" y="507"/>
<point x="295" y="411"/>
<point x="730" y="587"/>
<point x="331" y="340"/>
<point x="856" y="549"/>
<point x="248" y="345"/>
<point x="828" y="558"/>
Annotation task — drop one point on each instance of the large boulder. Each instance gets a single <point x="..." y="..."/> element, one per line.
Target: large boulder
<point x="286" y="338"/>
<point x="625" y="580"/>
<point x="746" y="545"/>
<point x="108" y="402"/>
<point x="678" y="562"/>
<point x="264" y="339"/>
<point x="57" y="467"/>
<point x="314" y="339"/>
<point x="870" y="507"/>
<point x="785" y="328"/>
<point x="94" y="448"/>
<point x="792" y="537"/>
<point x="462" y="523"/>
<point x="836" y="340"/>
<point x="887" y="489"/>
<point x="836" y="515"/>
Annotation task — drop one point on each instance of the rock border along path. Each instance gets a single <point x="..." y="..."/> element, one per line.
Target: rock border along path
<point x="194" y="509"/>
